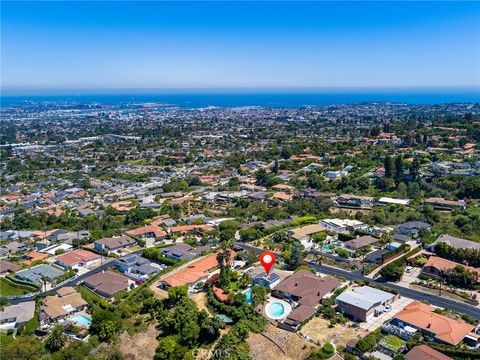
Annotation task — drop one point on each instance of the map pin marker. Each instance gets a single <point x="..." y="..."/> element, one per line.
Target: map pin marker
<point x="267" y="259"/>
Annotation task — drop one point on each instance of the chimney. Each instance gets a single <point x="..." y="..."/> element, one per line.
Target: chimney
<point x="296" y="284"/>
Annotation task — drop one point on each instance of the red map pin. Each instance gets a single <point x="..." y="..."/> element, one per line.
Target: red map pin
<point x="267" y="259"/>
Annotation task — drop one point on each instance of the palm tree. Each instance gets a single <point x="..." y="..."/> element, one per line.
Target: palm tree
<point x="56" y="339"/>
<point x="223" y="256"/>
<point x="44" y="280"/>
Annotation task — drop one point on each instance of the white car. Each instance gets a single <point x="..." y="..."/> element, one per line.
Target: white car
<point x="388" y="308"/>
<point x="409" y="269"/>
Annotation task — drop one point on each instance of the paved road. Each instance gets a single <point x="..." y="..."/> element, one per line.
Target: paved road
<point x="407" y="292"/>
<point x="71" y="282"/>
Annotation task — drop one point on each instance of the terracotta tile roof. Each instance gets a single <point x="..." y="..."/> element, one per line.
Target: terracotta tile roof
<point x="282" y="196"/>
<point x="445" y="329"/>
<point x="194" y="272"/>
<point x="444" y="264"/>
<point x="424" y="352"/>
<point x="77" y="256"/>
<point x="185" y="228"/>
<point x="158" y="231"/>
<point x="34" y="256"/>
<point x="122" y="205"/>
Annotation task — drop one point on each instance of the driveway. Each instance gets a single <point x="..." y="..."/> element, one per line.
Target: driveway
<point x="378" y="321"/>
<point x="409" y="278"/>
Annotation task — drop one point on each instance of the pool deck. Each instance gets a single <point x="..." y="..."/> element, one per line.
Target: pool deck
<point x="287" y="309"/>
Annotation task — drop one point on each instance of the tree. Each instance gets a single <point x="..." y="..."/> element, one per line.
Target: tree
<point x="190" y="333"/>
<point x="23" y="347"/>
<point x="392" y="272"/>
<point x="388" y="165"/>
<point x="166" y="348"/>
<point x="107" y="330"/>
<point x="415" y="169"/>
<point x="259" y="294"/>
<point x="399" y="168"/>
<point x="176" y="293"/>
<point x="56" y="339"/>
<point x="296" y="255"/>
<point x="402" y="190"/>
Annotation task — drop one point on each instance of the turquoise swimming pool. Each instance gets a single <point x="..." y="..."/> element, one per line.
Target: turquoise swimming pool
<point x="248" y="296"/>
<point x="82" y="319"/>
<point x="275" y="310"/>
<point x="328" y="248"/>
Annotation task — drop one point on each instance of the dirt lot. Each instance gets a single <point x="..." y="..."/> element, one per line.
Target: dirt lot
<point x="139" y="346"/>
<point x="294" y="347"/>
<point x="319" y="330"/>
<point x="201" y="301"/>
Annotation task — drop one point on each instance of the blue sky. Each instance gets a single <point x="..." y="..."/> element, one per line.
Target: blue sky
<point x="99" y="45"/>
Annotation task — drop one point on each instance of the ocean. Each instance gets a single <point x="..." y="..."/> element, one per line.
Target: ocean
<point x="262" y="99"/>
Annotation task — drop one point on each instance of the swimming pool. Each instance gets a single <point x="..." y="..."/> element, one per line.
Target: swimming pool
<point x="248" y="296"/>
<point x="328" y="248"/>
<point x="82" y="319"/>
<point x="276" y="310"/>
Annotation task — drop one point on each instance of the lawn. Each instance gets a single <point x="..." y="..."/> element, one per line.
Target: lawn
<point x="7" y="288"/>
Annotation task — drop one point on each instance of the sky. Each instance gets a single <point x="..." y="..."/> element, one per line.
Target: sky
<point x="238" y="45"/>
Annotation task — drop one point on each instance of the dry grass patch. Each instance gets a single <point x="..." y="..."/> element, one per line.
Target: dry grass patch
<point x="201" y="301"/>
<point x="294" y="347"/>
<point x="319" y="329"/>
<point x="139" y="346"/>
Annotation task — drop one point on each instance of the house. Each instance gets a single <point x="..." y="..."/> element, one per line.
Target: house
<point x="442" y="204"/>
<point x="354" y="200"/>
<point x="182" y="251"/>
<point x="390" y="201"/>
<point x="196" y="271"/>
<point x="78" y="258"/>
<point x="113" y="243"/>
<point x="440" y="328"/>
<point x="7" y="266"/>
<point x="360" y="242"/>
<point x="363" y="303"/>
<point x="455" y="242"/>
<point x="107" y="283"/>
<point x="15" y="315"/>
<point x="150" y="231"/>
<point x="305" y="232"/>
<point x="283" y="197"/>
<point x="36" y="273"/>
<point x="185" y="229"/>
<point x="437" y="267"/>
<point x="424" y="352"/>
<point x="332" y="175"/>
<point x="284" y="188"/>
<point x="66" y="302"/>
<point x="306" y="290"/>
<point x="34" y="256"/>
<point x="136" y="265"/>
<point x="343" y="225"/>
<point x="270" y="280"/>
<point x="412" y="228"/>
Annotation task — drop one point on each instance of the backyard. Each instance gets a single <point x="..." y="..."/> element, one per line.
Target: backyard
<point x="320" y="330"/>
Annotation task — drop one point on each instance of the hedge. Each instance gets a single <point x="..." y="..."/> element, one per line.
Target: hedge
<point x="454" y="352"/>
<point x="27" y="284"/>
